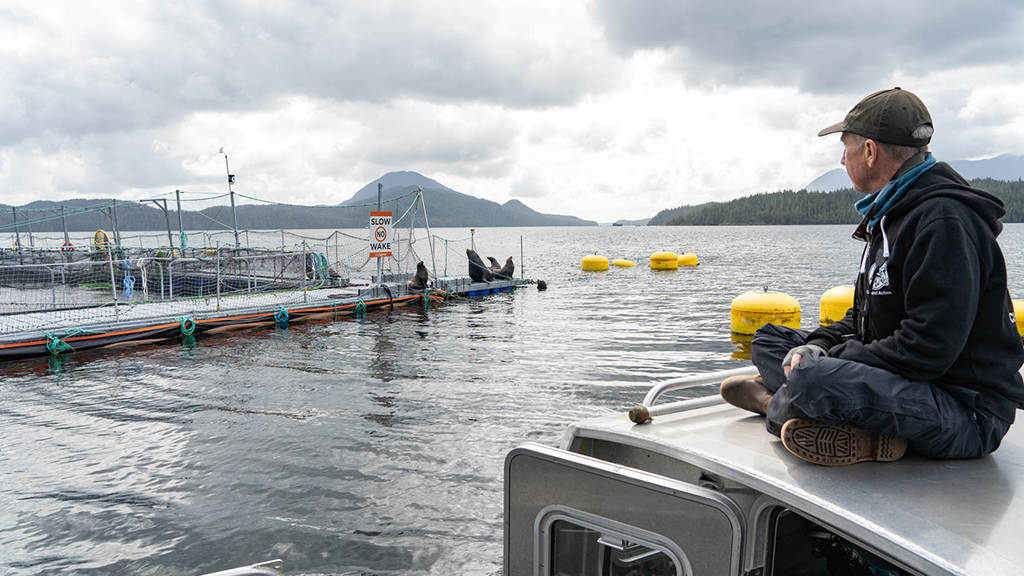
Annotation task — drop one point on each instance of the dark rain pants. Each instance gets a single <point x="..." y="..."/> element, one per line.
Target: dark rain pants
<point x="835" y="391"/>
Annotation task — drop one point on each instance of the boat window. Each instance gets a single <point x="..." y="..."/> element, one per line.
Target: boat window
<point x="801" y="547"/>
<point x="577" y="550"/>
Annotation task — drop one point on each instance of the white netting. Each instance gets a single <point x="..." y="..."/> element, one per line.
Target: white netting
<point x="97" y="278"/>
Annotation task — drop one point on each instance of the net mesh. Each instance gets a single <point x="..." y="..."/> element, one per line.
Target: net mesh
<point x="61" y="282"/>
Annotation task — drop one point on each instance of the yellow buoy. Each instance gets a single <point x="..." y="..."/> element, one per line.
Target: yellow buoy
<point x="835" y="303"/>
<point x="1018" y="313"/>
<point x="688" y="259"/>
<point x="595" y="263"/>
<point x="751" y="310"/>
<point x="623" y="263"/>
<point x="664" y="261"/>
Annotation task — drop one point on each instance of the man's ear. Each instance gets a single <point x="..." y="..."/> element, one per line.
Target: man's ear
<point x="870" y="151"/>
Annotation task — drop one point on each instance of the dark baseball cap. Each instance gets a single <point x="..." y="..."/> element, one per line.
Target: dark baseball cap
<point x="889" y="116"/>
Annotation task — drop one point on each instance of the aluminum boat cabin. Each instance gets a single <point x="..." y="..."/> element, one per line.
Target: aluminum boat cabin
<point x="702" y="489"/>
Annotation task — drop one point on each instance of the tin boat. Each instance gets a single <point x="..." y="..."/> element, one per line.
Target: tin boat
<point x="701" y="488"/>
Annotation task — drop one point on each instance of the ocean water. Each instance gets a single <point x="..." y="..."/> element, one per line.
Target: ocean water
<point x="374" y="446"/>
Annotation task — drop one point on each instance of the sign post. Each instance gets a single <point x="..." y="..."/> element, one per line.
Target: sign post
<point x="380" y="234"/>
<point x="380" y="240"/>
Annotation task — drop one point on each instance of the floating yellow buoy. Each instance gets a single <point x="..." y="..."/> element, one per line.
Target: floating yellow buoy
<point x="835" y="303"/>
<point x="595" y="263"/>
<point x="1018" y="313"/>
<point x="751" y="310"/>
<point x="623" y="263"/>
<point x="688" y="259"/>
<point x="664" y="261"/>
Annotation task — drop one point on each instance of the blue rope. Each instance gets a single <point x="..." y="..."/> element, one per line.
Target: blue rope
<point x="129" y="281"/>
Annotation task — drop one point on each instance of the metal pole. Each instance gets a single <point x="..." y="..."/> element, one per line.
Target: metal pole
<point x="304" y="283"/>
<point x="64" y="224"/>
<point x="472" y="239"/>
<point x="430" y="237"/>
<point x="113" y="283"/>
<point x="218" y="275"/>
<point x="181" y="229"/>
<point x="522" y="261"/>
<point x="31" y="241"/>
<point x="231" y="180"/>
<point x="117" y="229"/>
<point x="380" y="207"/>
<point x="17" y="233"/>
<point x="167" y="218"/>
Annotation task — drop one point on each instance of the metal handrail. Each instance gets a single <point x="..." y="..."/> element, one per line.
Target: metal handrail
<point x="268" y="568"/>
<point x="642" y="413"/>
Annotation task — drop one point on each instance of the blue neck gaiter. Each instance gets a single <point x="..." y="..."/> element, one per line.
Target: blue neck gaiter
<point x="887" y="197"/>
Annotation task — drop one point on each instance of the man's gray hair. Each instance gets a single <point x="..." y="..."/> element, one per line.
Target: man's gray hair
<point x="900" y="153"/>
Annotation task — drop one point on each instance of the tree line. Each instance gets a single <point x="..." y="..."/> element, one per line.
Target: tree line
<point x="803" y="207"/>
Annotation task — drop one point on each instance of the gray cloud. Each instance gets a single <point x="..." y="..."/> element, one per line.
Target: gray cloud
<point x="816" y="46"/>
<point x="226" y="56"/>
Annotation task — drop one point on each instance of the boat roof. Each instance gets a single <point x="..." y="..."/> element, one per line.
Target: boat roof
<point x="939" y="516"/>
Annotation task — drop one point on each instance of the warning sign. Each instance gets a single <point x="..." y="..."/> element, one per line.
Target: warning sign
<point x="380" y="234"/>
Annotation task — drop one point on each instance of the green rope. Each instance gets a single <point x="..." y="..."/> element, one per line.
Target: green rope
<point x="281" y="316"/>
<point x="57" y="345"/>
<point x="361" y="307"/>
<point x="184" y="239"/>
<point x="426" y="299"/>
<point x="188" y="326"/>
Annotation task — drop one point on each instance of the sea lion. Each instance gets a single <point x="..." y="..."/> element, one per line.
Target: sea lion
<point x="495" y="265"/>
<point x="419" y="281"/>
<point x="506" y="270"/>
<point x="478" y="271"/>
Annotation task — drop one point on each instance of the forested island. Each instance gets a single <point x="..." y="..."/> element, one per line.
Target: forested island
<point x="803" y="207"/>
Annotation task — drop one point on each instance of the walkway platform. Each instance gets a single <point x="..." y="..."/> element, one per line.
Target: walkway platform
<point x="51" y="332"/>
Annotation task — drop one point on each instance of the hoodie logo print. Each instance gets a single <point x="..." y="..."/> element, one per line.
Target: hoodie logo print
<point x="880" y="277"/>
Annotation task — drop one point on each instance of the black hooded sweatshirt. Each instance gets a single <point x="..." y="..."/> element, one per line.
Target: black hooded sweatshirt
<point x="931" y="301"/>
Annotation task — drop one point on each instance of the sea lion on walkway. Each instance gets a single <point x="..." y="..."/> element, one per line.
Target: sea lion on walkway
<point x="507" y="270"/>
<point x="419" y="281"/>
<point x="495" y="265"/>
<point x="478" y="271"/>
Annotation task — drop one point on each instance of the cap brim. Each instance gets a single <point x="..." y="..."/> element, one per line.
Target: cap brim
<point x="837" y="127"/>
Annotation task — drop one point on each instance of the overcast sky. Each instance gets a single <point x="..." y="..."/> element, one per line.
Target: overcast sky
<point x="602" y="109"/>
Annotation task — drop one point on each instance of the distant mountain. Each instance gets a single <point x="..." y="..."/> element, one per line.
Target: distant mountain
<point x="1003" y="167"/>
<point x="445" y="208"/>
<point x="394" y="180"/>
<point x="448" y="208"/>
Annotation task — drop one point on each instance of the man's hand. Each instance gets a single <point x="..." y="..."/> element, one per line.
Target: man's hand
<point x="794" y="356"/>
<point x="794" y="360"/>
